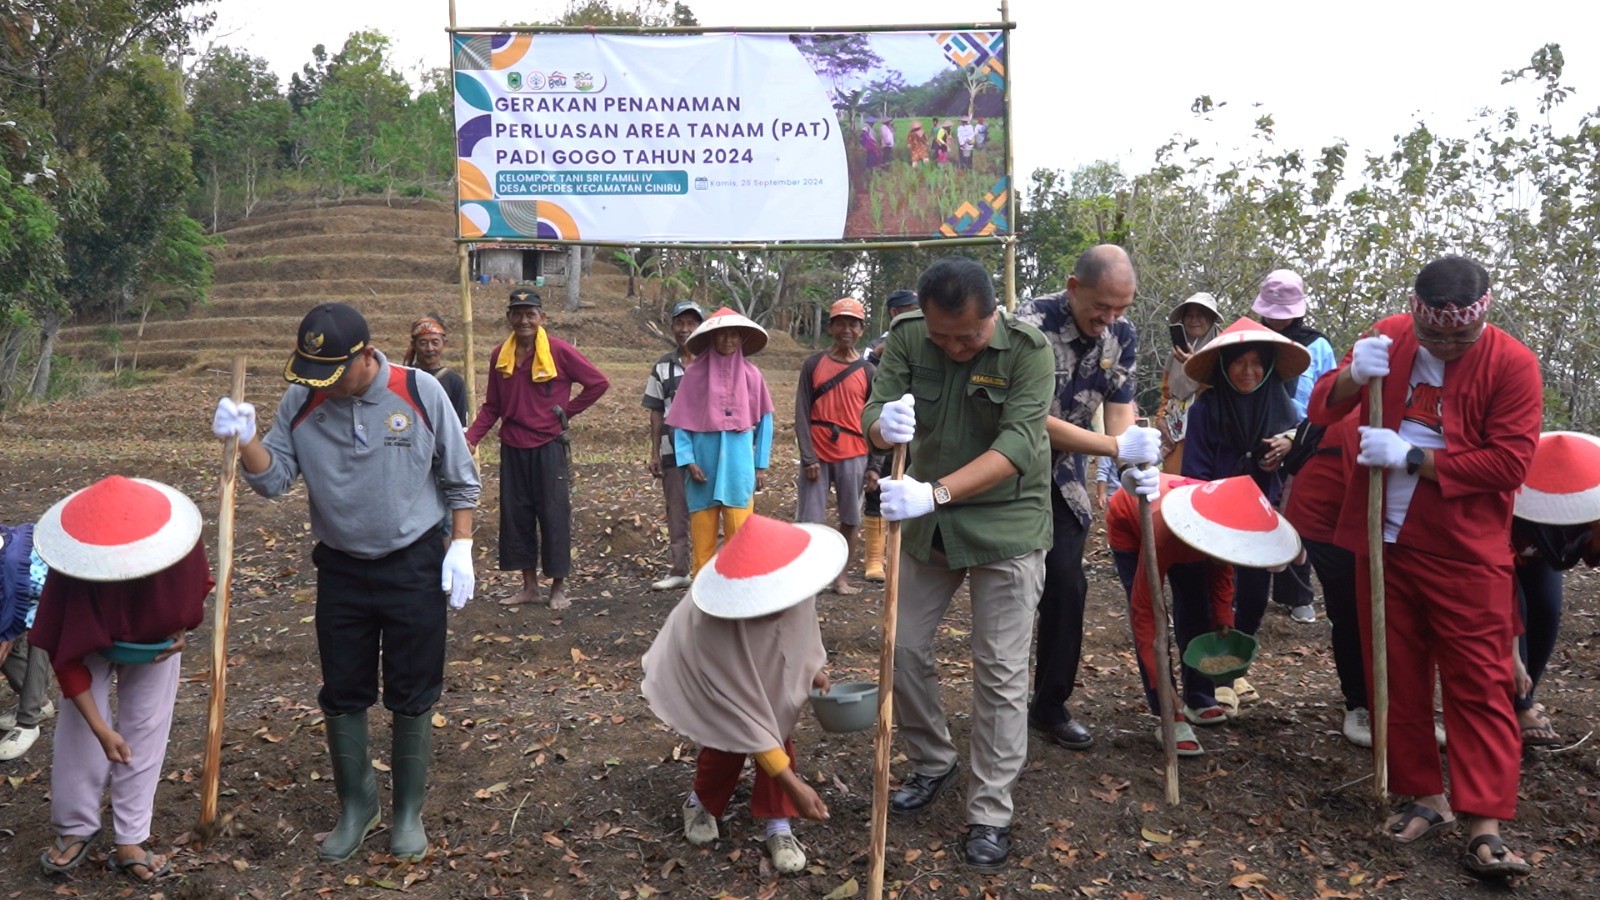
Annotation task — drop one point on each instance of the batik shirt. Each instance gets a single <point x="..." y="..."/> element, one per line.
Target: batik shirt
<point x="1090" y="372"/>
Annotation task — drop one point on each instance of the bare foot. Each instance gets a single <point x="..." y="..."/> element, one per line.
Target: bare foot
<point x="528" y="594"/>
<point x="845" y="588"/>
<point x="558" y="596"/>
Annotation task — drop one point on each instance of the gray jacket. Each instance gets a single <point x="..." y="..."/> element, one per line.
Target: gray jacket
<point x="378" y="477"/>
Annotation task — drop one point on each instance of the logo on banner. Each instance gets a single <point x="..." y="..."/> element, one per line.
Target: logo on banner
<point x="513" y="81"/>
<point x="536" y="81"/>
<point x="557" y="81"/>
<point x="583" y="81"/>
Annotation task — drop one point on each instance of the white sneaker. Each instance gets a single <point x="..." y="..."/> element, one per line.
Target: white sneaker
<point x="9" y="720"/>
<point x="16" y="742"/>
<point x="1358" y="727"/>
<point x="671" y="583"/>
<point x="699" y="825"/>
<point x="1305" y="615"/>
<point x="787" y="855"/>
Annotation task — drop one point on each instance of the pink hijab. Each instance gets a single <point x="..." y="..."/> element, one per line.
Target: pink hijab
<point x="720" y="393"/>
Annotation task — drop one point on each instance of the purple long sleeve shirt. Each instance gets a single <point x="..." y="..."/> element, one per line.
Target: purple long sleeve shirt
<point x="526" y="409"/>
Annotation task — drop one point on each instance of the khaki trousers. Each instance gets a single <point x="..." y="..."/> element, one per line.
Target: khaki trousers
<point x="1004" y="597"/>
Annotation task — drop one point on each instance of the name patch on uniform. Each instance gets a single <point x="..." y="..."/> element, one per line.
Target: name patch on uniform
<point x="994" y="381"/>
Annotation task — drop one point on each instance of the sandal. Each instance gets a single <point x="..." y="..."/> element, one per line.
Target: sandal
<point x="1501" y="865"/>
<point x="146" y="862"/>
<point x="1227" y="699"/>
<point x="1245" y="691"/>
<point x="1209" y="715"/>
<point x="1412" y="813"/>
<point x="1541" y="733"/>
<point x="65" y="842"/>
<point x="1188" y="745"/>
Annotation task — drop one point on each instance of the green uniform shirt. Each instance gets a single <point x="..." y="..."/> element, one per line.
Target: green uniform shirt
<point x="998" y="401"/>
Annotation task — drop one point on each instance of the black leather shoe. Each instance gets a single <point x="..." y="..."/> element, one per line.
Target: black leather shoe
<point x="1071" y="734"/>
<point x="988" y="846"/>
<point x="918" y="791"/>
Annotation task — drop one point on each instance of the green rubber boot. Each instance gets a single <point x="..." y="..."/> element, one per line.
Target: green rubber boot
<point x="355" y="783"/>
<point x="413" y="745"/>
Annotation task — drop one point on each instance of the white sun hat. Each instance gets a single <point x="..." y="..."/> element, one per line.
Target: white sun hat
<point x="1231" y="520"/>
<point x="1290" y="359"/>
<point x="1562" y="486"/>
<point x="117" y="529"/>
<point x="755" y="337"/>
<point x="767" y="567"/>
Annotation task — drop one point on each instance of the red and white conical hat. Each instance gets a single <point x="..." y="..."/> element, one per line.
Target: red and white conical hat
<point x="755" y="336"/>
<point x="117" y="529"/>
<point x="1232" y="521"/>
<point x="1290" y="358"/>
<point x="767" y="567"/>
<point x="1563" y="483"/>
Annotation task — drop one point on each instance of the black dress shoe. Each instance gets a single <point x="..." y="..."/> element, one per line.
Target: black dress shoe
<point x="988" y="846"/>
<point x="920" y="790"/>
<point x="1071" y="734"/>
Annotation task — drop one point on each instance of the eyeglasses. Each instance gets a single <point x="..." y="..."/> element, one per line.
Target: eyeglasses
<point x="1428" y="337"/>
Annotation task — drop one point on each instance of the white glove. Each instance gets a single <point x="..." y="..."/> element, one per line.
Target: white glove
<point x="1138" y="445"/>
<point x="234" y="420"/>
<point x="898" y="421"/>
<point x="457" y="577"/>
<point x="1382" y="447"/>
<point x="904" y="498"/>
<point x="1144" y="482"/>
<point x="1369" y="358"/>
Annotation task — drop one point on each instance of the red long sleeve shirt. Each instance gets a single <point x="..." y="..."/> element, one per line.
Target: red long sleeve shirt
<point x="525" y="408"/>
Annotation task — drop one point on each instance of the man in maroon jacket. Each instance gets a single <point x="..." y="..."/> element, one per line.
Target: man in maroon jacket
<point x="531" y="375"/>
<point x="1462" y="404"/>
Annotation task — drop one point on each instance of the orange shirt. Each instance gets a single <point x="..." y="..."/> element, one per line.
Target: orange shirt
<point x="835" y="417"/>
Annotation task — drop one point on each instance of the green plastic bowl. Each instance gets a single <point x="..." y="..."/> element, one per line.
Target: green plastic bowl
<point x="852" y="706"/>
<point x="1213" y="644"/>
<point x="128" y="653"/>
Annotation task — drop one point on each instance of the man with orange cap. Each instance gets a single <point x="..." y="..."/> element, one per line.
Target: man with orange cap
<point x="828" y="398"/>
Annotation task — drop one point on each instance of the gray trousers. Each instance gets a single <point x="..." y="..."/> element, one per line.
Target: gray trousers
<point x="1004" y="597"/>
<point x="27" y="670"/>
<point x="672" y="476"/>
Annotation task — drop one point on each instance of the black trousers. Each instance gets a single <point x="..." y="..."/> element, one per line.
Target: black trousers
<point x="1539" y="589"/>
<point x="388" y="609"/>
<point x="535" y="510"/>
<point x="1060" y="627"/>
<point x="1336" y="569"/>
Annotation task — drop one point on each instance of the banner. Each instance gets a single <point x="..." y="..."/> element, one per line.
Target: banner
<point x="731" y="137"/>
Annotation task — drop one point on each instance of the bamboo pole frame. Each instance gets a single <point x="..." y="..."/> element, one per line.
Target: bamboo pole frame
<point x="722" y="29"/>
<point x="883" y="740"/>
<point x="1165" y="703"/>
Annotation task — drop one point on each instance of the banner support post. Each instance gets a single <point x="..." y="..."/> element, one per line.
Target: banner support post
<point x="1011" y="175"/>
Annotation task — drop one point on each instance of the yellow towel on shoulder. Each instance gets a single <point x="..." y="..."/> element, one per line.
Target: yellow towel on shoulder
<point x="544" y="365"/>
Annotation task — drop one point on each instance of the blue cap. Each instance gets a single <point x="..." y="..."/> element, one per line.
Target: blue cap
<point x="688" y="306"/>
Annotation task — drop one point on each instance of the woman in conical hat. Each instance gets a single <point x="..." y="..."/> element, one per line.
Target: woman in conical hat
<point x="1553" y="528"/>
<point x="1201" y="324"/>
<point x="1242" y="424"/>
<point x="731" y="670"/>
<point x="126" y="567"/>
<point x="722" y="428"/>
<point x="1202" y="531"/>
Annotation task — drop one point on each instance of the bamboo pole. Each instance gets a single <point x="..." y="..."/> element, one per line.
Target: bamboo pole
<point x="1011" y="178"/>
<point x="1380" y="632"/>
<point x="881" y="744"/>
<point x="723" y="29"/>
<point x="211" y="772"/>
<point x="469" y="371"/>
<point x="1163" y="656"/>
<point x="828" y="246"/>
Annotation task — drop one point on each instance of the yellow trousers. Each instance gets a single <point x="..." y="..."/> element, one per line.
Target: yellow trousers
<point x="703" y="529"/>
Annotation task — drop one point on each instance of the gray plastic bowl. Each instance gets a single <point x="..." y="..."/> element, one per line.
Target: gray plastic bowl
<point x="852" y="706"/>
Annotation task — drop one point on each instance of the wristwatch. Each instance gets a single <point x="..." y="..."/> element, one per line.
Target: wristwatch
<point x="941" y="494"/>
<point x="1415" y="457"/>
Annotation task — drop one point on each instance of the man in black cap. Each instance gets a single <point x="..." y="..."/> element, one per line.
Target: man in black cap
<point x="659" y="390"/>
<point x="531" y="376"/>
<point x="383" y="458"/>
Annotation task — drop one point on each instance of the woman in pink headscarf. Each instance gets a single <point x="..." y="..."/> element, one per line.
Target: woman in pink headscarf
<point x="722" y="426"/>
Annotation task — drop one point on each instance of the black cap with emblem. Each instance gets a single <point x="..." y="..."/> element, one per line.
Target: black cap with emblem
<point x="329" y="336"/>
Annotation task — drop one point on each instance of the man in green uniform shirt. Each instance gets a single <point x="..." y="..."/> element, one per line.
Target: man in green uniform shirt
<point x="969" y="387"/>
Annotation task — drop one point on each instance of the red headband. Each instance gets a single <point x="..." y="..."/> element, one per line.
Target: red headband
<point x="426" y="325"/>
<point x="1450" y="315"/>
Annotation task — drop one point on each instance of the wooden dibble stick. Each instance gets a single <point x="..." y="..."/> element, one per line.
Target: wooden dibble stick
<point x="1163" y="673"/>
<point x="885" y="733"/>
<point x="1380" y="632"/>
<point x="211" y="777"/>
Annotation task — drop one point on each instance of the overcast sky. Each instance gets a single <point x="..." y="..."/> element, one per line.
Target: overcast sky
<point x="1111" y="80"/>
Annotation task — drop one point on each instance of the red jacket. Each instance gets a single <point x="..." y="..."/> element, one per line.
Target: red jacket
<point x="1493" y="406"/>
<point x="1317" y="492"/>
<point x="525" y="409"/>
